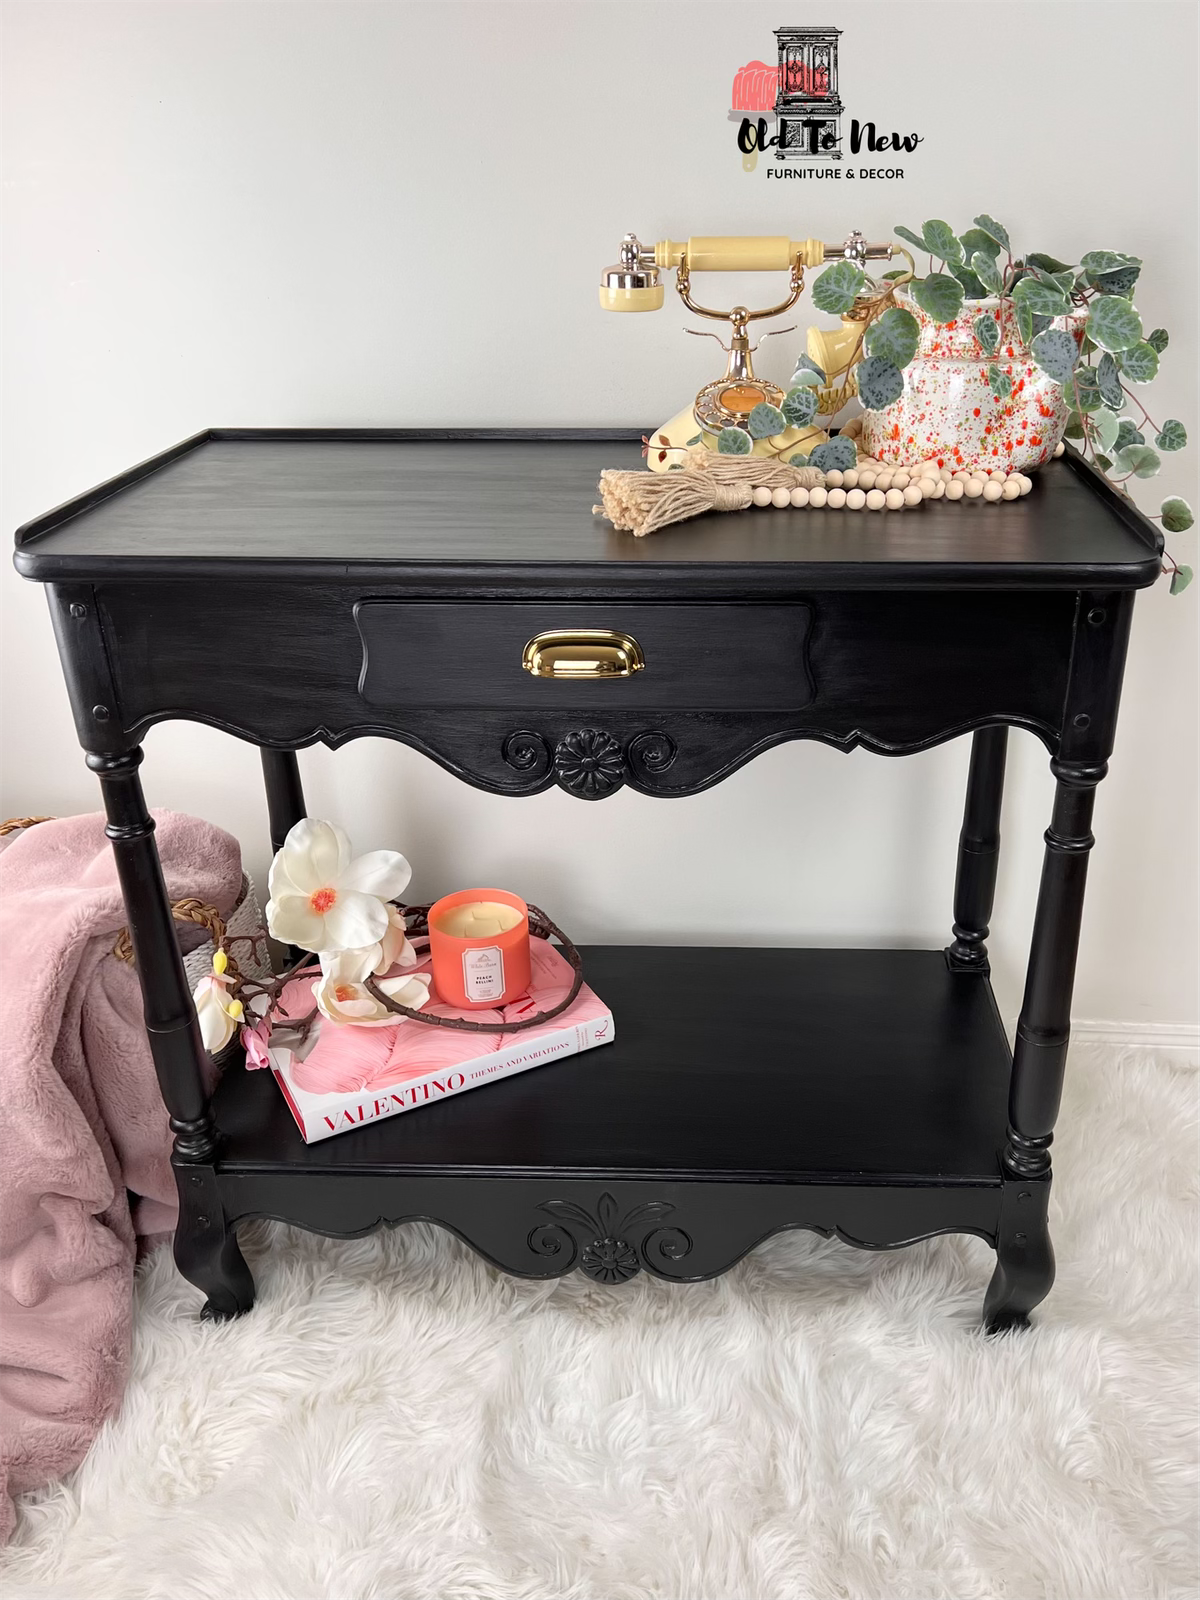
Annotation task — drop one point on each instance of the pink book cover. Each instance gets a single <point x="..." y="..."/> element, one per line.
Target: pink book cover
<point x="352" y="1076"/>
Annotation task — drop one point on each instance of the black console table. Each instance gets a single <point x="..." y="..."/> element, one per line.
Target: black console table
<point x="295" y="586"/>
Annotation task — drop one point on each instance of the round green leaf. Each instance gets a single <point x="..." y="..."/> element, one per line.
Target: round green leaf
<point x="894" y="336"/>
<point x="1084" y="392"/>
<point x="1035" y="258"/>
<point x="942" y="242"/>
<point x="1000" y="381"/>
<point x="1180" y="579"/>
<point x="1104" y="427"/>
<point x="992" y="228"/>
<point x="805" y="363"/>
<point x="1041" y="298"/>
<point x="806" y="378"/>
<point x="1138" y="459"/>
<point x="1140" y="365"/>
<point x="1109" y="380"/>
<point x="1056" y="352"/>
<point x="734" y="442"/>
<point x="1030" y="324"/>
<point x="909" y="236"/>
<point x="1114" y="324"/>
<point x="837" y="288"/>
<point x="879" y="383"/>
<point x="1119" y="282"/>
<point x="1103" y="462"/>
<point x="1073" y="429"/>
<point x="973" y="289"/>
<point x="835" y="455"/>
<point x="799" y="406"/>
<point x="1176" y="514"/>
<point x="975" y="239"/>
<point x="987" y="331"/>
<point x="765" y="421"/>
<point x="1064" y="282"/>
<point x="1127" y="434"/>
<point x="939" y="296"/>
<point x="798" y="460"/>
<point x="1158" y="340"/>
<point x="1173" y="435"/>
<point x="988" y="273"/>
<point x="1107" y="260"/>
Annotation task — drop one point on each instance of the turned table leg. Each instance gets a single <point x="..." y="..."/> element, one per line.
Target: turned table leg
<point x="978" y="850"/>
<point x="285" y="795"/>
<point x="1024" y="1255"/>
<point x="206" y="1249"/>
<point x="285" y="807"/>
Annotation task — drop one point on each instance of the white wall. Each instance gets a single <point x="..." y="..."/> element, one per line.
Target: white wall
<point x="324" y="214"/>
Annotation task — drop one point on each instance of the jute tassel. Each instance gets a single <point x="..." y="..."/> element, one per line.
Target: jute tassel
<point x="643" y="502"/>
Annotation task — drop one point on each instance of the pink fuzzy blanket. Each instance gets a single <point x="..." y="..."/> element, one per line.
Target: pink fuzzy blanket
<point x="85" y="1171"/>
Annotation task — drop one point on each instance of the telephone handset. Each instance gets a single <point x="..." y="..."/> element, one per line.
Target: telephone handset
<point x="633" y="284"/>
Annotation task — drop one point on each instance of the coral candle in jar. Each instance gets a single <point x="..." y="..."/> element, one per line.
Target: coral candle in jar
<point x="479" y="941"/>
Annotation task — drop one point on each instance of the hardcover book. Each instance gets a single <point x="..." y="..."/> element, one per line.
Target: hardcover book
<point x="346" y="1077"/>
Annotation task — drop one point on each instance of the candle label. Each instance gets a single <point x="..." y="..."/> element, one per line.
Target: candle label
<point x="483" y="973"/>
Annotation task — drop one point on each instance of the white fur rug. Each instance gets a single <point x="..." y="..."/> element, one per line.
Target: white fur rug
<point x="397" y="1419"/>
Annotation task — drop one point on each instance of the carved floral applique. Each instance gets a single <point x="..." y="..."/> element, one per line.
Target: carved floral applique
<point x="589" y="763"/>
<point x="608" y="1257"/>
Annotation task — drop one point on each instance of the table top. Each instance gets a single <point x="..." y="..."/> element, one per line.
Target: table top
<point x="343" y="504"/>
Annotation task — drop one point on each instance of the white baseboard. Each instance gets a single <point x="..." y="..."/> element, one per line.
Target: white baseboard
<point x="1180" y="1039"/>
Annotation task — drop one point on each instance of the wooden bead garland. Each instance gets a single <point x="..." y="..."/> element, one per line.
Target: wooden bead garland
<point x="873" y="486"/>
<point x="642" y="502"/>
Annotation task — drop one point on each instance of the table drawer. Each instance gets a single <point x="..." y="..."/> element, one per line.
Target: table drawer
<point x="716" y="656"/>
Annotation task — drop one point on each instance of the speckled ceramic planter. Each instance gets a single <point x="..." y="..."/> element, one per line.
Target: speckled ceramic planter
<point x="948" y="410"/>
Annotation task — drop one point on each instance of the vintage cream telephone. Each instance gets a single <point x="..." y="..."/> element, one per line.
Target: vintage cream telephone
<point x="633" y="284"/>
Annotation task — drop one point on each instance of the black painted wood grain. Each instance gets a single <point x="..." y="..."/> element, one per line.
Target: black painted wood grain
<point x="895" y="672"/>
<point x="246" y="504"/>
<point x="708" y="657"/>
<point x="682" y="1231"/>
<point x="772" y="1064"/>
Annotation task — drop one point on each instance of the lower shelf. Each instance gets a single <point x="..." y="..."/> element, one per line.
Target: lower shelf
<point x="822" y="1067"/>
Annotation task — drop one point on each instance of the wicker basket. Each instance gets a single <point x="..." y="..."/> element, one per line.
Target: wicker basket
<point x="254" y="961"/>
<point x="251" y="960"/>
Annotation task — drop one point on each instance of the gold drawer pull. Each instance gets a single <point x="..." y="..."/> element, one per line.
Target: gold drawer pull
<point x="583" y="653"/>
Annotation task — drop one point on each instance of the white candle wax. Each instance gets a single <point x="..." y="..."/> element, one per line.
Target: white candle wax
<point x="479" y="919"/>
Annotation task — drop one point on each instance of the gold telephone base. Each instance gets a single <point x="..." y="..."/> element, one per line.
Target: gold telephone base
<point x="727" y="403"/>
<point x="633" y="285"/>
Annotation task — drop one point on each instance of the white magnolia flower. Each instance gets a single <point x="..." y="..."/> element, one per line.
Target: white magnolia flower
<point x="342" y="995"/>
<point x="394" y="949"/>
<point x="321" y="899"/>
<point x="219" y="1015"/>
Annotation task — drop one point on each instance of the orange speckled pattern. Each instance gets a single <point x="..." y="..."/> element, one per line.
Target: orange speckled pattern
<point x="948" y="411"/>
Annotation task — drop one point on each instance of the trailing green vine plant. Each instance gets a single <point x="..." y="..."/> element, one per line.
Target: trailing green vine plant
<point x="840" y="287"/>
<point x="1095" y="373"/>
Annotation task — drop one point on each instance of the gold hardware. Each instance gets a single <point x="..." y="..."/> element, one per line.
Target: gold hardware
<point x="634" y="283"/>
<point x="583" y="653"/>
